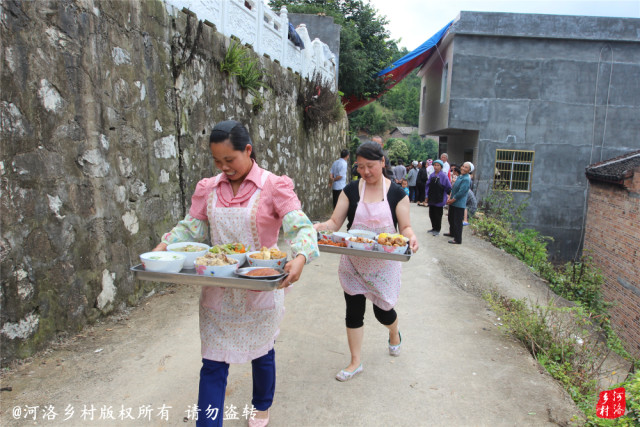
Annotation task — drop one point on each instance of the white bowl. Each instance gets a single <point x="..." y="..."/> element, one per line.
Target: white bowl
<point x="325" y="235"/>
<point x="363" y="233"/>
<point x="218" y="270"/>
<point x="367" y="246"/>
<point x="240" y="257"/>
<point x="340" y="236"/>
<point x="392" y="249"/>
<point x="272" y="263"/>
<point x="190" y="257"/>
<point x="162" y="262"/>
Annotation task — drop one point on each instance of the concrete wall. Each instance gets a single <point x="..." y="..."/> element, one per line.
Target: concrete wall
<point x="434" y="114"/>
<point x="323" y="28"/>
<point x="612" y="239"/>
<point x="565" y="88"/>
<point x="106" y="109"/>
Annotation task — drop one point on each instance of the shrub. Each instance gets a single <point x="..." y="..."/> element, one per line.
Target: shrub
<point x="320" y="103"/>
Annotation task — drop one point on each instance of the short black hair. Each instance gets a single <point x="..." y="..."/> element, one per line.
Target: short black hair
<point x="370" y="151"/>
<point x="235" y="132"/>
<point x="344" y="153"/>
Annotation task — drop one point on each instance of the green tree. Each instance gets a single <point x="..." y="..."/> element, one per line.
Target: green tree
<point x="404" y="100"/>
<point x="421" y="148"/>
<point x="372" y="118"/>
<point x="397" y="149"/>
<point x="365" y="45"/>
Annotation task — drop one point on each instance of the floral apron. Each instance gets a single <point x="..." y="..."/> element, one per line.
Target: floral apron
<point x="378" y="280"/>
<point x="237" y="325"/>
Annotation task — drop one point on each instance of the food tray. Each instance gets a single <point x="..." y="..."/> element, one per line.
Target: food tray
<point x="367" y="254"/>
<point x="190" y="277"/>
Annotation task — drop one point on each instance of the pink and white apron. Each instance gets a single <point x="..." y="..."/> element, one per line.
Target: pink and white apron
<point x="237" y="325"/>
<point x="378" y="280"/>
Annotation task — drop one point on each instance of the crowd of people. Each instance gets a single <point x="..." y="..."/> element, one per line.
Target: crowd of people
<point x="432" y="184"/>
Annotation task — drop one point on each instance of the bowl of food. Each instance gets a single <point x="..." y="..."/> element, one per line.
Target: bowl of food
<point x="362" y="233"/>
<point x="162" y="262"/>
<point x="190" y="250"/>
<point x="361" y="243"/>
<point x="325" y="235"/>
<point x="236" y="251"/>
<point x="392" y="243"/>
<point x="271" y="258"/>
<point x="340" y="237"/>
<point x="217" y="265"/>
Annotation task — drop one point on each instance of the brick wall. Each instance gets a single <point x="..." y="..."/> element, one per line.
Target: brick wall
<point x="612" y="238"/>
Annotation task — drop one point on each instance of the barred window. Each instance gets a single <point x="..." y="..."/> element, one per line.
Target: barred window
<point x="513" y="170"/>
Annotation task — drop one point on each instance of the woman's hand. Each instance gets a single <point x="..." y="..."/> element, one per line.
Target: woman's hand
<point x="160" y="247"/>
<point x="413" y="243"/>
<point x="320" y="226"/>
<point x="294" y="268"/>
<point x="451" y="201"/>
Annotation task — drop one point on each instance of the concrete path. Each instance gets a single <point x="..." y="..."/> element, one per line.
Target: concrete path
<point x="456" y="367"/>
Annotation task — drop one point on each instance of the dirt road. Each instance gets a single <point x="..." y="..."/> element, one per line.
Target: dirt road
<point x="456" y="367"/>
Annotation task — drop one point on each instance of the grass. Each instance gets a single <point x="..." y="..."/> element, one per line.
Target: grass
<point x="567" y="342"/>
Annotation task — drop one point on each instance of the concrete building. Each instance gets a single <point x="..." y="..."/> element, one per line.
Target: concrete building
<point x="323" y="28"/>
<point x="532" y="100"/>
<point x="612" y="240"/>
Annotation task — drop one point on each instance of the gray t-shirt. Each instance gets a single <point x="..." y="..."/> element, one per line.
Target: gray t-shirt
<point x="399" y="171"/>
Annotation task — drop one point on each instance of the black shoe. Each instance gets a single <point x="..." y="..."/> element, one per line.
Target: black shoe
<point x="453" y="242"/>
<point x="431" y="231"/>
<point x="448" y="234"/>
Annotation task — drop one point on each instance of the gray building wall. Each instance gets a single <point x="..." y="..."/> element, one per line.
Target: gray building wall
<point x="323" y="28"/>
<point x="565" y="87"/>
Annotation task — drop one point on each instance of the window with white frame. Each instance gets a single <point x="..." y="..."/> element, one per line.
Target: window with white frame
<point x="513" y="170"/>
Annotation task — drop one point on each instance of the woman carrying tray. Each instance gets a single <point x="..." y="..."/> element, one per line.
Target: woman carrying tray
<point x="244" y="204"/>
<point x="375" y="204"/>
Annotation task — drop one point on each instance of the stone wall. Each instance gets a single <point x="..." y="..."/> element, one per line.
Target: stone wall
<point x="106" y="107"/>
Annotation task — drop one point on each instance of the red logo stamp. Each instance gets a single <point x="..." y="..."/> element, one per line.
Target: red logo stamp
<point x="612" y="403"/>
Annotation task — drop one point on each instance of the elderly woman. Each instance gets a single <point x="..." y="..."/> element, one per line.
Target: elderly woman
<point x="244" y="204"/>
<point x="458" y="202"/>
<point x="373" y="203"/>
<point x="437" y="188"/>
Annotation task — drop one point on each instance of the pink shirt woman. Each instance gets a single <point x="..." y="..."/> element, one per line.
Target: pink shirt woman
<point x="248" y="205"/>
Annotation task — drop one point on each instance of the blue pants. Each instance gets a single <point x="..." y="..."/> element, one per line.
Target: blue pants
<point x="213" y="384"/>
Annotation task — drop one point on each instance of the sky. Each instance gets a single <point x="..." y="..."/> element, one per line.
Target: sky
<point x="414" y="21"/>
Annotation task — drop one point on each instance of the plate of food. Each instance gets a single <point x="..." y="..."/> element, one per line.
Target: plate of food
<point x="392" y="243"/>
<point x="236" y="251"/>
<point x="332" y="243"/>
<point x="272" y="258"/>
<point x="216" y="265"/>
<point x="261" y="273"/>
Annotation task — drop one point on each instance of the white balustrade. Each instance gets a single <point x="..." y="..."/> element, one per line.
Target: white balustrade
<point x="254" y="23"/>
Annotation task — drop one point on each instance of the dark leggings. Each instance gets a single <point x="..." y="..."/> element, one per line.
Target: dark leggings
<point x="435" y="215"/>
<point x="356" y="305"/>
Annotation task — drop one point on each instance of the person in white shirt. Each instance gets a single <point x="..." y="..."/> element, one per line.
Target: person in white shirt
<point x="446" y="166"/>
<point x="430" y="168"/>
<point x="338" y="175"/>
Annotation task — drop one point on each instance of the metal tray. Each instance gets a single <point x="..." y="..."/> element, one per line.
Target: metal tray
<point x="366" y="254"/>
<point x="190" y="277"/>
